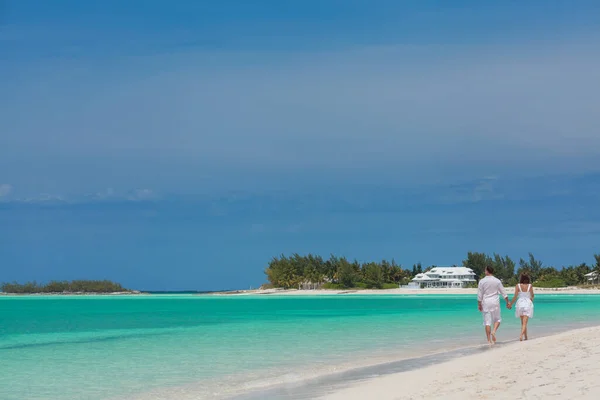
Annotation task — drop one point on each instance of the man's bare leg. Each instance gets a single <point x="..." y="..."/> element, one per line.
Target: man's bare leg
<point x="488" y="330"/>
<point x="493" y="333"/>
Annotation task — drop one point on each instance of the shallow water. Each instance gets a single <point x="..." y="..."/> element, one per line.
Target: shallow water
<point x="180" y="346"/>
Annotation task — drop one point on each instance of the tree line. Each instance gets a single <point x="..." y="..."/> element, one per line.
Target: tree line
<point x="78" y="286"/>
<point x="509" y="272"/>
<point x="337" y="272"/>
<point x="312" y="271"/>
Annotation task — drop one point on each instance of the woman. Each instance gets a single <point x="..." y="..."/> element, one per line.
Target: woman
<point x="524" y="299"/>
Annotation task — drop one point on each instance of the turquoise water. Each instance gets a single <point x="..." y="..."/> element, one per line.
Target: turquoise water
<point x="164" y="346"/>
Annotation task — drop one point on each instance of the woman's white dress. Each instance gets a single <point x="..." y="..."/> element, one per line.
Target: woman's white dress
<point x="524" y="306"/>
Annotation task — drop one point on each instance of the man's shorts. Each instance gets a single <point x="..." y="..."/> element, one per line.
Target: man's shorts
<point x="491" y="316"/>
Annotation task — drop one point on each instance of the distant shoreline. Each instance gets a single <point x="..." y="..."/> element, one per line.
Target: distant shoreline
<point x="411" y="292"/>
<point x="318" y="292"/>
<point x="128" y="293"/>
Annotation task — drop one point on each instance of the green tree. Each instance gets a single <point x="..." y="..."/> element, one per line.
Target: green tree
<point x="312" y="275"/>
<point x="532" y="266"/>
<point x="81" y="286"/>
<point x="346" y="274"/>
<point x="581" y="271"/>
<point x="274" y="271"/>
<point x="318" y="262"/>
<point x="547" y="273"/>
<point x="418" y="269"/>
<point x="57" y="287"/>
<point x="477" y="262"/>
<point x="282" y="272"/>
<point x="386" y="270"/>
<point x="331" y="268"/>
<point x="397" y="273"/>
<point x="356" y="268"/>
<point x="298" y="264"/>
<point x="571" y="276"/>
<point x="373" y="275"/>
<point x="504" y="268"/>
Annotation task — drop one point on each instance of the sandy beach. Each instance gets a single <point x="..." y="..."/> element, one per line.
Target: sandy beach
<point x="564" y="366"/>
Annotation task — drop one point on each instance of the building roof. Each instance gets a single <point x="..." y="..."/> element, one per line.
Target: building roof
<point x="423" y="277"/>
<point x="591" y="274"/>
<point x="451" y="271"/>
<point x="446" y="274"/>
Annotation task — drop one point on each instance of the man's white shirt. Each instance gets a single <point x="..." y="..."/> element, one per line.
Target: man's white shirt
<point x="487" y="292"/>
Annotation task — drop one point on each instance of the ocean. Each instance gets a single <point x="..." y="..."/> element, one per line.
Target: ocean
<point x="202" y="346"/>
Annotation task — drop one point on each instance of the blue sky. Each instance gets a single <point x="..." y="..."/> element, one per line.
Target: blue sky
<point x="181" y="145"/>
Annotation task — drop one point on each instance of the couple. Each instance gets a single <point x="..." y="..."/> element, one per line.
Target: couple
<point x="487" y="297"/>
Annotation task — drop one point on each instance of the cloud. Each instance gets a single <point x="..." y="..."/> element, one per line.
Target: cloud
<point x="108" y="195"/>
<point x="46" y="198"/>
<point x="5" y="190"/>
<point x="401" y="113"/>
<point x="105" y="194"/>
<point x="111" y="195"/>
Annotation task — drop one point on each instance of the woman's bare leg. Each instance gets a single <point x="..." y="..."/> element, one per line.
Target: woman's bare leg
<point x="522" y="328"/>
<point x="525" y="320"/>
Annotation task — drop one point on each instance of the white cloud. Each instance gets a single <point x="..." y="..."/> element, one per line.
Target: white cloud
<point x="107" y="195"/>
<point x="44" y="198"/>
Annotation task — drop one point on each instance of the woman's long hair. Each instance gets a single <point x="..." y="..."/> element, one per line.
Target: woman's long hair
<point x="525" y="279"/>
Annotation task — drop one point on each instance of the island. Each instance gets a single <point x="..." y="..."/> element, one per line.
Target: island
<point x="66" y="287"/>
<point x="310" y="272"/>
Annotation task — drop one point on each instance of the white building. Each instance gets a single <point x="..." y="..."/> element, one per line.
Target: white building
<point x="592" y="276"/>
<point x="445" y="277"/>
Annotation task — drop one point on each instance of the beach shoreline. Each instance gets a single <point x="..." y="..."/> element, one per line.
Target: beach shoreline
<point x="318" y="292"/>
<point x="565" y="364"/>
<point x="477" y="371"/>
<point x="387" y="380"/>
<point x="399" y="291"/>
<point x="127" y="293"/>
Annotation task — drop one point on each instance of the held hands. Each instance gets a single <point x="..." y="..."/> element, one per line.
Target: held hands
<point x="508" y="305"/>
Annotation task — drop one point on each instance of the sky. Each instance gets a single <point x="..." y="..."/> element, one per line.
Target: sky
<point x="181" y="145"/>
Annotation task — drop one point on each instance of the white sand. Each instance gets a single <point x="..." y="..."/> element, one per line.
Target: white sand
<point x="563" y="366"/>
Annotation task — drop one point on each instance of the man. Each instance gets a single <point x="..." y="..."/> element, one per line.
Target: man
<point x="487" y="297"/>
